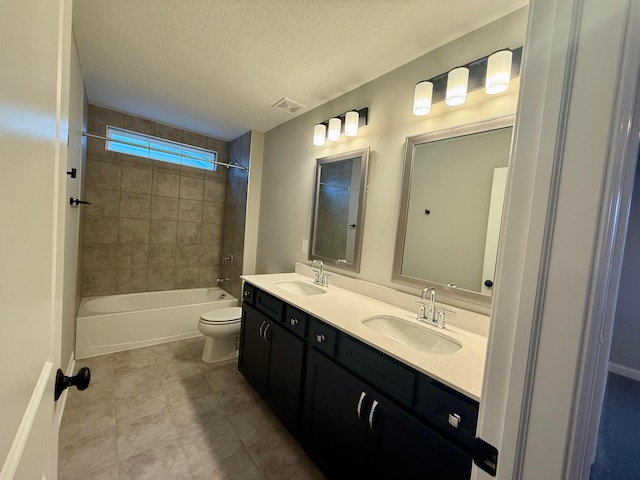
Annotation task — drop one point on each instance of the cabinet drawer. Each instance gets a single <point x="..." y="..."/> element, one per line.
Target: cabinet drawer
<point x="447" y="409"/>
<point x="295" y="321"/>
<point x="248" y="293"/>
<point x="322" y="337"/>
<point x="385" y="373"/>
<point x="269" y="305"/>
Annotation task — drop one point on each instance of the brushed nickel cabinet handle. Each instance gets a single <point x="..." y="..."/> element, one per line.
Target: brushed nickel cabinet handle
<point x="359" y="409"/>
<point x="374" y="405"/>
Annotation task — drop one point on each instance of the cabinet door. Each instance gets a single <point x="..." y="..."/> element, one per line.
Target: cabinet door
<point x="400" y="446"/>
<point x="283" y="381"/>
<point x="333" y="432"/>
<point x="251" y="357"/>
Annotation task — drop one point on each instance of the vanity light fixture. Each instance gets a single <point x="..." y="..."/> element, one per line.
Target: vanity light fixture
<point x="498" y="72"/>
<point x="457" y="82"/>
<point x="352" y="120"/>
<point x="422" y="98"/>
<point x="319" y="133"/>
<point x="335" y="125"/>
<point x="493" y="73"/>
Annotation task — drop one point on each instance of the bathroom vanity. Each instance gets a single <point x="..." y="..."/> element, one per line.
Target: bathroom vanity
<point x="361" y="403"/>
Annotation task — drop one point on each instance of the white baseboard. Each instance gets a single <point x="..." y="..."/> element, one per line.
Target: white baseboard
<point x="62" y="401"/>
<point x="625" y="371"/>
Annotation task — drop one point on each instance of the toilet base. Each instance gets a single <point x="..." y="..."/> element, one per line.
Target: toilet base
<point x="219" y="350"/>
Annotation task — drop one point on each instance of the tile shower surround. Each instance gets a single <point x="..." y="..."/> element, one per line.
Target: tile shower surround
<point x="151" y="225"/>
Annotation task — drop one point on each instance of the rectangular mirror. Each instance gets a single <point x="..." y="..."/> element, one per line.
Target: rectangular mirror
<point x="338" y="209"/>
<point x="452" y="198"/>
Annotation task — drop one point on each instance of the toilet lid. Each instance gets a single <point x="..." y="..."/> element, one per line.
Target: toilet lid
<point x="222" y="315"/>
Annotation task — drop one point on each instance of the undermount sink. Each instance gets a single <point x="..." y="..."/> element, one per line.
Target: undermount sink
<point x="412" y="335"/>
<point x="299" y="288"/>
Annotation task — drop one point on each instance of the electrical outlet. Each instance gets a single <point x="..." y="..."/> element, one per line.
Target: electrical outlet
<point x="304" y="247"/>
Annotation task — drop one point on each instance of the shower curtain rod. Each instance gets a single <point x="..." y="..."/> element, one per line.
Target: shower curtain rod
<point x="101" y="137"/>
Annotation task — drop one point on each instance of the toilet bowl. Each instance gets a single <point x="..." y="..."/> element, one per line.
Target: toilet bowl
<point x="221" y="329"/>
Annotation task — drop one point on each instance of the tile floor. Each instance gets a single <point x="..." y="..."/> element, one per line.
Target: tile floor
<point x="161" y="413"/>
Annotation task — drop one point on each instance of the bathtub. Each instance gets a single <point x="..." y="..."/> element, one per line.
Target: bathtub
<point x="121" y="322"/>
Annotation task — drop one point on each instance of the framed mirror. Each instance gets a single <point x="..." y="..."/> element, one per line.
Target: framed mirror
<point x="451" y="207"/>
<point x="338" y="209"/>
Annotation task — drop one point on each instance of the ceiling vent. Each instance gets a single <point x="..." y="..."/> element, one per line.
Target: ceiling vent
<point x="287" y="105"/>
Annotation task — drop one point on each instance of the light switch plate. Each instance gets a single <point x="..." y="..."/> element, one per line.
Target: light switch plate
<point x="304" y="246"/>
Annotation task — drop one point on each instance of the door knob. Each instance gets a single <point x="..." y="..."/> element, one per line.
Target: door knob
<point x="80" y="380"/>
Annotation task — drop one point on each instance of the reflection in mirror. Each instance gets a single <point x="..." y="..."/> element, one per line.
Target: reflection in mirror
<point x="338" y="209"/>
<point x="452" y="198"/>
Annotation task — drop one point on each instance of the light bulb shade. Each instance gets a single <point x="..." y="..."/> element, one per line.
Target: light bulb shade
<point x="457" y="81"/>
<point x="319" y="132"/>
<point x="334" y="129"/>
<point x="498" y="72"/>
<point x="351" y="122"/>
<point x="422" y="98"/>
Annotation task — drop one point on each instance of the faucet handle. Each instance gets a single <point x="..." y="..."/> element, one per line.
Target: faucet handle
<point x="421" y="310"/>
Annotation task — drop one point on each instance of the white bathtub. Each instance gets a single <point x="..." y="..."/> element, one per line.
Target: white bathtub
<point x="121" y="322"/>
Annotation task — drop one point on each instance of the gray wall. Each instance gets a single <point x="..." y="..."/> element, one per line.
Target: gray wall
<point x="151" y="225"/>
<point x="289" y="155"/>
<point x="625" y="349"/>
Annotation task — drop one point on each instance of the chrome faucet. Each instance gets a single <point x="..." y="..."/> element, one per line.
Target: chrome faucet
<point x="321" y="277"/>
<point x="428" y="314"/>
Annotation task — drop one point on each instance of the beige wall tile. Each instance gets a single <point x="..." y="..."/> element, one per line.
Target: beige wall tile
<point x="131" y="280"/>
<point x="190" y="210"/>
<point x="100" y="230"/>
<point x="168" y="132"/>
<point x="187" y="255"/>
<point x="165" y="184"/>
<point x="100" y="118"/>
<point x="163" y="232"/>
<point x="136" y="180"/>
<point x="187" y="277"/>
<point x="192" y="172"/>
<point x="206" y="277"/>
<point x="138" y="162"/>
<point x="98" y="282"/>
<point x="164" y="208"/>
<point x="192" y="188"/>
<point x="132" y="255"/>
<point x="104" y="203"/>
<point x="97" y="151"/>
<point x="211" y="255"/>
<point x="102" y="175"/>
<point x="160" y="279"/>
<point x="214" y="192"/>
<point x="189" y="233"/>
<point x="211" y="234"/>
<point x="195" y="139"/>
<point x="100" y="256"/>
<point x="138" y="124"/>
<point x="135" y="205"/>
<point x="212" y="213"/>
<point x="133" y="230"/>
<point x="217" y="175"/>
<point x="167" y="167"/>
<point x="162" y="255"/>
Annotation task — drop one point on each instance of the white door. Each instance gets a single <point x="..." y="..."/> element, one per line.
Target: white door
<point x="35" y="38"/>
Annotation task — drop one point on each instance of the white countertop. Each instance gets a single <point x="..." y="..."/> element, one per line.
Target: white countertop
<point x="345" y="310"/>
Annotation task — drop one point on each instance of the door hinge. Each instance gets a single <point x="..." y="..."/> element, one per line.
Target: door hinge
<point x="485" y="456"/>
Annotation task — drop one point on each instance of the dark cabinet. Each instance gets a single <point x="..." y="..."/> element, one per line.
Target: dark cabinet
<point x="271" y="359"/>
<point x="352" y="431"/>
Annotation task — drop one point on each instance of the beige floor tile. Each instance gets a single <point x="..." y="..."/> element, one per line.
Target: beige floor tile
<point x="255" y="423"/>
<point x="191" y="386"/>
<point x="145" y="433"/>
<point x="224" y="377"/>
<point x="137" y="382"/>
<point x="83" y="420"/>
<point x="143" y="403"/>
<point x="238" y="397"/>
<point x="104" y="473"/>
<point x="99" y="366"/>
<point x="77" y="456"/>
<point x="238" y="466"/>
<point x="100" y="390"/>
<point x="195" y="346"/>
<point x="198" y="412"/>
<point x="171" y="352"/>
<point x="207" y="448"/>
<point x="177" y="370"/>
<point x="132" y="360"/>
<point x="163" y="462"/>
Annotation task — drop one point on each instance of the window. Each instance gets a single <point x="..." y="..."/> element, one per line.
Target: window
<point x="141" y="145"/>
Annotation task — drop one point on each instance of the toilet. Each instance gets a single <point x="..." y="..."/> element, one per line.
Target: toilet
<point x="221" y="329"/>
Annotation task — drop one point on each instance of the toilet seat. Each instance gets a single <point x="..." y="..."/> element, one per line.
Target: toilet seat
<point x="222" y="316"/>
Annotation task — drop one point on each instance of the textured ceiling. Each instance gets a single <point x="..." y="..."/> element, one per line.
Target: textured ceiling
<point x="217" y="66"/>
